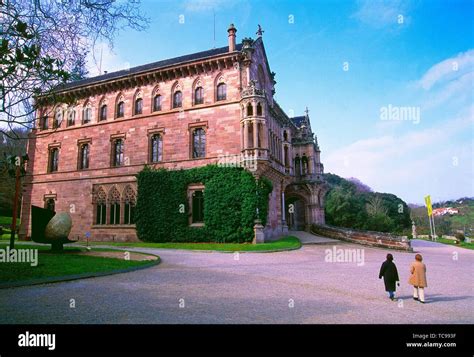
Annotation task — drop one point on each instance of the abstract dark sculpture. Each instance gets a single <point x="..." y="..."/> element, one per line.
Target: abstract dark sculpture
<point x="49" y="227"/>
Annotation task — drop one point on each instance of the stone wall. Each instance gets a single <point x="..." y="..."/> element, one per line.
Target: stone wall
<point x="374" y="239"/>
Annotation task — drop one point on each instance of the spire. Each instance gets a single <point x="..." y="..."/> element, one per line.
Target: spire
<point x="259" y="32"/>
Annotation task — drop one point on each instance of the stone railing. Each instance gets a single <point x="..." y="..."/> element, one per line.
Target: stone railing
<point x="374" y="239"/>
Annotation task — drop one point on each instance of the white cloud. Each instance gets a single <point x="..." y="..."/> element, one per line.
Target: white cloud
<point x="448" y="69"/>
<point x="380" y="13"/>
<point x="412" y="164"/>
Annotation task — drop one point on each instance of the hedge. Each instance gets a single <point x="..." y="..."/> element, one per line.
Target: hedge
<point x="231" y="198"/>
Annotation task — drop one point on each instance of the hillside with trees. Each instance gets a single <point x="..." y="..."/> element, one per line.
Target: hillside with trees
<point x="352" y="204"/>
<point x="447" y="224"/>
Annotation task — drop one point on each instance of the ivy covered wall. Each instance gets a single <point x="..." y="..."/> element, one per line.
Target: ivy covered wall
<point x="231" y="198"/>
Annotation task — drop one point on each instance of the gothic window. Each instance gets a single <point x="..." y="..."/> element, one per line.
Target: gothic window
<point x="114" y="203"/>
<point x="50" y="204"/>
<point x="259" y="109"/>
<point x="120" y="109"/>
<point x="84" y="156"/>
<point x="103" y="112"/>
<point x="287" y="161"/>
<point x="87" y="115"/>
<point x="53" y="159"/>
<point x="177" y="99"/>
<point x="297" y="165"/>
<point x="199" y="95"/>
<point x="221" y="91"/>
<point x="71" y="117"/>
<point x="138" y="106"/>
<point x="157" y="103"/>
<point x="156" y="151"/>
<point x="249" y="110"/>
<point x="58" y="117"/>
<point x="197" y="206"/>
<point x="259" y="135"/>
<point x="130" y="201"/>
<point x="117" y="152"/>
<point x="304" y="164"/>
<point x="285" y="135"/>
<point x="101" y="207"/>
<point x="199" y="143"/>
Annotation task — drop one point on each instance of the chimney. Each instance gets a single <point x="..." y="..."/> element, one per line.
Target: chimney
<point x="232" y="30"/>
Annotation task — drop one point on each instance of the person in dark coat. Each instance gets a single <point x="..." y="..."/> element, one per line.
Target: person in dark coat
<point x="389" y="272"/>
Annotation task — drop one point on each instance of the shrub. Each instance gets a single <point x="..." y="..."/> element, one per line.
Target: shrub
<point x="460" y="237"/>
<point x="231" y="198"/>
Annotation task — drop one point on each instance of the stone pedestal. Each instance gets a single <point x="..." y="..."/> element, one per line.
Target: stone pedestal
<point x="259" y="236"/>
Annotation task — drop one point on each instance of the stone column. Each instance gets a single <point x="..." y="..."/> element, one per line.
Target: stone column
<point x="246" y="135"/>
<point x="284" y="226"/>
<point x="259" y="235"/>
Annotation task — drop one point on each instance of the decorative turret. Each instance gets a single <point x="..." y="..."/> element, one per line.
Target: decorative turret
<point x="232" y="31"/>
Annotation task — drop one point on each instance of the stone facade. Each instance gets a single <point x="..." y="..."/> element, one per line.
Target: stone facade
<point x="246" y="124"/>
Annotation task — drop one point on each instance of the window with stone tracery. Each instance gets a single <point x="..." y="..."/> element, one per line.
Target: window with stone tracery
<point x="130" y="201"/>
<point x="114" y="203"/>
<point x="100" y="201"/>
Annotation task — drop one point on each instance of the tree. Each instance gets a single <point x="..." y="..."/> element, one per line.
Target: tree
<point x="9" y="148"/>
<point x="44" y="45"/>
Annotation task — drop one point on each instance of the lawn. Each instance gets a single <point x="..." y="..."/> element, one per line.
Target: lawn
<point x="5" y="222"/>
<point x="288" y="242"/>
<point x="452" y="242"/>
<point x="57" y="265"/>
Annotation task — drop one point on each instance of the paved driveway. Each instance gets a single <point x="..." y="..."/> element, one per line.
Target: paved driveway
<point x="286" y="287"/>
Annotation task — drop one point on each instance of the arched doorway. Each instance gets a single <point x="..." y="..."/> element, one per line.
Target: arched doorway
<point x="296" y="212"/>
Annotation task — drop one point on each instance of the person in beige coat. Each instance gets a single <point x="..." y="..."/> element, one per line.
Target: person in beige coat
<point x="418" y="278"/>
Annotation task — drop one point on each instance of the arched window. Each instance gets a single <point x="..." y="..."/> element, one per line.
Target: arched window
<point x="286" y="158"/>
<point x="138" y="106"/>
<point x="103" y="112"/>
<point x="157" y="103"/>
<point x="285" y="135"/>
<point x="58" y="118"/>
<point x="221" y="91"/>
<point x="87" y="115"/>
<point x="297" y="165"/>
<point x="156" y="148"/>
<point x="53" y="159"/>
<point x="249" y="110"/>
<point x="71" y="117"/>
<point x="114" y="202"/>
<point x="304" y="164"/>
<point x="84" y="156"/>
<point x="199" y="95"/>
<point x="177" y="99"/>
<point x="259" y="109"/>
<point x="50" y="204"/>
<point x="199" y="143"/>
<point x="130" y="201"/>
<point x="101" y="207"/>
<point x="120" y="109"/>
<point x="117" y="152"/>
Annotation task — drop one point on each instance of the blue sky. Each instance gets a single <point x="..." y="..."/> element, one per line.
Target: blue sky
<point x="347" y="61"/>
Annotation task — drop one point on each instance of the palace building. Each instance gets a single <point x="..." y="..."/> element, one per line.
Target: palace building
<point x="179" y="113"/>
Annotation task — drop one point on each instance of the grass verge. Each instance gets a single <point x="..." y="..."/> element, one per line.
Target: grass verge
<point x="51" y="265"/>
<point x="451" y="242"/>
<point x="285" y="243"/>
